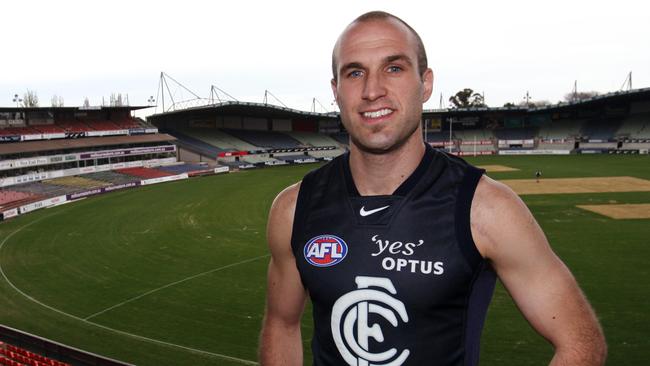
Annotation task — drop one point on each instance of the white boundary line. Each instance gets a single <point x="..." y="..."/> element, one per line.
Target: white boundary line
<point x="172" y="284"/>
<point x="194" y="350"/>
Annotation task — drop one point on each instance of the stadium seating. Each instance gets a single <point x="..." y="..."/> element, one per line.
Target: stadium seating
<point x="601" y="129"/>
<point x="11" y="355"/>
<point x="48" y="129"/>
<point x="437" y="136"/>
<point x="8" y="131"/>
<point x="9" y="197"/>
<point x="218" y="139"/>
<point x="326" y="153"/>
<point x="635" y="127"/>
<point x="472" y="135"/>
<point x="291" y="157"/>
<point x="112" y="177"/>
<point x="144" y="173"/>
<point x="103" y="126"/>
<point x="563" y="129"/>
<point x="74" y="126"/>
<point x="264" y="139"/>
<point x="183" y="168"/>
<point x="522" y="133"/>
<point x="313" y="139"/>
<point x="256" y="159"/>
<point x="127" y="123"/>
<point x="78" y="182"/>
<point x="195" y="143"/>
<point x="44" y="189"/>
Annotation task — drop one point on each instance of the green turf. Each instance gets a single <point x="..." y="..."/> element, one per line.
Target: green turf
<point x="84" y="258"/>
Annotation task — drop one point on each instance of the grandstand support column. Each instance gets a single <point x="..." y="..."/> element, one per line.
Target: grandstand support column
<point x="475" y="145"/>
<point x="451" y="123"/>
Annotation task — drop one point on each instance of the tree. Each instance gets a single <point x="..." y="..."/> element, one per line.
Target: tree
<point x="466" y="98"/>
<point x="30" y="99"/>
<point x="509" y="105"/>
<point x="57" y="101"/>
<point x="86" y="102"/>
<point x="578" y="96"/>
<point x="117" y="100"/>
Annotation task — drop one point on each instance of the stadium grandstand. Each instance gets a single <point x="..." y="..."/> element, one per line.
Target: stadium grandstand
<point x="106" y="148"/>
<point x="52" y="155"/>
<point x="245" y="135"/>
<point x="613" y="123"/>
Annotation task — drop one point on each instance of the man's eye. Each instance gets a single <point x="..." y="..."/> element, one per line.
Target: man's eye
<point x="394" y="69"/>
<point x="355" y="74"/>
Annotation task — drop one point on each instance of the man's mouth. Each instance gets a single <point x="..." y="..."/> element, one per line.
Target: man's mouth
<point x="377" y="114"/>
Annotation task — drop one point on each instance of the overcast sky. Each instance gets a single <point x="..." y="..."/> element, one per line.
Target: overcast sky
<point x="78" y="49"/>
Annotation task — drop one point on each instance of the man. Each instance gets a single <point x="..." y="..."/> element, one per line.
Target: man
<point x="397" y="244"/>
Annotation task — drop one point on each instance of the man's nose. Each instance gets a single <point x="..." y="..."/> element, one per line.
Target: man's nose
<point x="374" y="87"/>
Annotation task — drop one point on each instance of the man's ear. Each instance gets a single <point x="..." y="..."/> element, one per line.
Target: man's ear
<point x="334" y="84"/>
<point x="427" y="81"/>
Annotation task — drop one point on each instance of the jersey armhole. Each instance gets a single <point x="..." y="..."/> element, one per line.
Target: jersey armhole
<point x="462" y="218"/>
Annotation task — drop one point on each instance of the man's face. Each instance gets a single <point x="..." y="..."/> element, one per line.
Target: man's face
<point x="379" y="89"/>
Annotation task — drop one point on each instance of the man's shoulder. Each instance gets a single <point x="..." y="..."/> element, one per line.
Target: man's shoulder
<point x="493" y="205"/>
<point x="286" y="199"/>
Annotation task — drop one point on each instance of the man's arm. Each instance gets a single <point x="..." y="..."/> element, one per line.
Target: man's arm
<point x="543" y="288"/>
<point x="280" y="340"/>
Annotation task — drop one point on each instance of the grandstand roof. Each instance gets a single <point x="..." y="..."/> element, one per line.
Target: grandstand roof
<point x="628" y="95"/>
<point x="54" y="109"/>
<point x="262" y="110"/>
<point x="63" y="144"/>
<point x="249" y="109"/>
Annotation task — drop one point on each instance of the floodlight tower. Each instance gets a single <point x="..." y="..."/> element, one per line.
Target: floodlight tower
<point x="527" y="98"/>
<point x="17" y="100"/>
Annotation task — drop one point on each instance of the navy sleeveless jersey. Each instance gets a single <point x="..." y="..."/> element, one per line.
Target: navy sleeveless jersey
<point x="396" y="279"/>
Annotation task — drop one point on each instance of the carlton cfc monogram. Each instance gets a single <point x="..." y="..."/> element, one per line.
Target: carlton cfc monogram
<point x="350" y="327"/>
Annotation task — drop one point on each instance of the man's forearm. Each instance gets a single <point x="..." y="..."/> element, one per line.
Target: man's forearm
<point x="592" y="353"/>
<point x="280" y="346"/>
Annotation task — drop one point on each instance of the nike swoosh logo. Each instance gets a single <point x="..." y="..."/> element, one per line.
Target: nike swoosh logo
<point x="364" y="213"/>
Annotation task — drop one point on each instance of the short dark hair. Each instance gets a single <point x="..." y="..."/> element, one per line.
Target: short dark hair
<point x="382" y="15"/>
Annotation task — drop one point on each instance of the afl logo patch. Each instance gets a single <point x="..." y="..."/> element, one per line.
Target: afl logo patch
<point x="325" y="250"/>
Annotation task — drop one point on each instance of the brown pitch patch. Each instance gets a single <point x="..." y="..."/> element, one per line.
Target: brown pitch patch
<point x="622" y="211"/>
<point x="578" y="185"/>
<point x="497" y="168"/>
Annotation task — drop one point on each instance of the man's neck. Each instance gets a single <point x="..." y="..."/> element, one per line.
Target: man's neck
<point x="382" y="174"/>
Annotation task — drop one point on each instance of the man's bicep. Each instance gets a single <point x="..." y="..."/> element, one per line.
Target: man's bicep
<point x="286" y="296"/>
<point x="285" y="292"/>
<point x="540" y="284"/>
